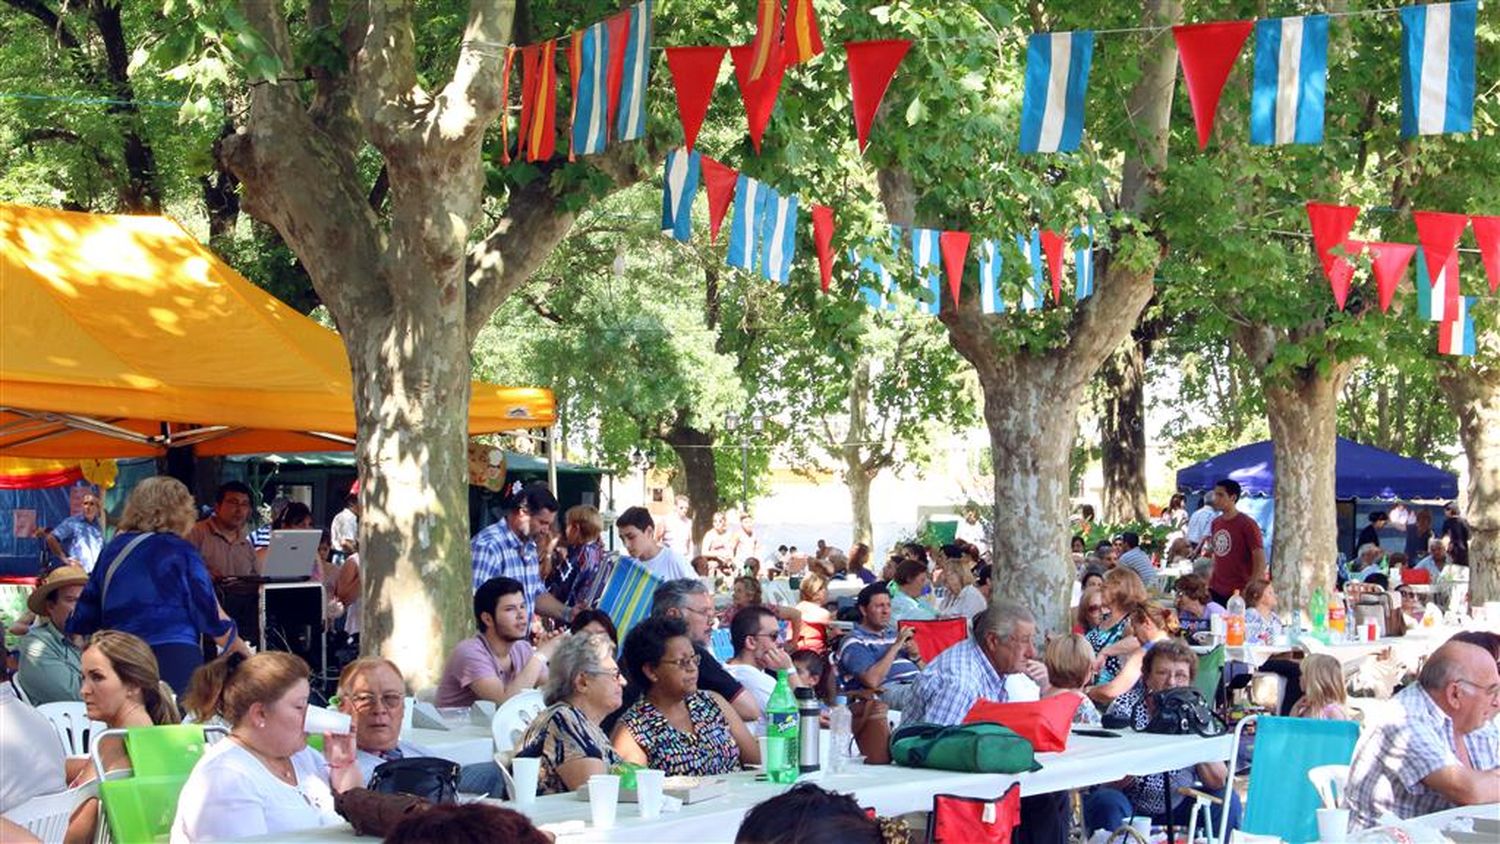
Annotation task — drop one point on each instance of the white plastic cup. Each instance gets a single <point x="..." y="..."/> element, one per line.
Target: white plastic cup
<point x="604" y="799"/>
<point x="648" y="791"/>
<point x="1217" y="628"/>
<point x="525" y="771"/>
<point x="1143" y="826"/>
<point x="1333" y="825"/>
<point x="319" y="720"/>
<point x="765" y="753"/>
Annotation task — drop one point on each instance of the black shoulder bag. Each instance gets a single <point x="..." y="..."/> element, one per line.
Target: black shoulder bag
<point x="1183" y="711"/>
<point x="432" y="779"/>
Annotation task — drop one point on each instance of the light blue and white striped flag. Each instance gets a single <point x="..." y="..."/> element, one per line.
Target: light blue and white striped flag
<point x="1437" y="68"/>
<point x="630" y="123"/>
<point x="679" y="186"/>
<point x="991" y="262"/>
<point x="591" y="90"/>
<point x="1057" y="77"/>
<point x="1084" y="264"/>
<point x="749" y="196"/>
<point x="778" y="235"/>
<point x="926" y="259"/>
<point x="1032" y="290"/>
<point x="1291" y="80"/>
<point x="874" y="280"/>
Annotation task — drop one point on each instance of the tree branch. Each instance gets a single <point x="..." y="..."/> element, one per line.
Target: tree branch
<point x="64" y="36"/>
<point x="472" y="98"/>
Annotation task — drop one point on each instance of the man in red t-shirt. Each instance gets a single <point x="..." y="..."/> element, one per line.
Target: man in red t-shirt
<point x="1236" y="544"/>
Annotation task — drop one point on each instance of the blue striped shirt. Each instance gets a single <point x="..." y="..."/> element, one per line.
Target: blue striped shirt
<point x="498" y="552"/>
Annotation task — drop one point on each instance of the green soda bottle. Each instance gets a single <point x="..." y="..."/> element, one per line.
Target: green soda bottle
<point x="782" y="740"/>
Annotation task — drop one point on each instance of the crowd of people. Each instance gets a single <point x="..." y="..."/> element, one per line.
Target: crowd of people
<point x="125" y="633"/>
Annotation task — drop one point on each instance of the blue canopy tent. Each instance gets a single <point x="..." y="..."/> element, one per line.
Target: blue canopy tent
<point x="1360" y="472"/>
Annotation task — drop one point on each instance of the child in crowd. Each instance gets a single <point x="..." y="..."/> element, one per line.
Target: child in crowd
<point x="1070" y="666"/>
<point x="1323" y="695"/>
<point x="811" y="667"/>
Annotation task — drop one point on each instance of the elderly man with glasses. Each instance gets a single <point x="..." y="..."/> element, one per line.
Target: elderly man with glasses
<point x="373" y="692"/>
<point x="1444" y="749"/>
<point x="78" y="539"/>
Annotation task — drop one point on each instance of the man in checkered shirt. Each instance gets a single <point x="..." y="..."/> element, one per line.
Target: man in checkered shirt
<point x="1442" y="751"/>
<point x="507" y="548"/>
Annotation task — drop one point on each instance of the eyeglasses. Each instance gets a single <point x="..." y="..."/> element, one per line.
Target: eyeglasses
<point x="1492" y="692"/>
<point x="612" y="673"/>
<point x="365" y="700"/>
<point x="687" y="663"/>
<point x="1095" y="608"/>
<point x="703" y="613"/>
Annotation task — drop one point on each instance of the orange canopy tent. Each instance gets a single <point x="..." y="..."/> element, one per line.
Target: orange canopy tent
<point x="121" y="336"/>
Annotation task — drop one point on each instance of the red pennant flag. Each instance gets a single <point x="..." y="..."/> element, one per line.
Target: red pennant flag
<point x="539" y="100"/>
<point x="1207" y="52"/>
<point x="801" y="39"/>
<point x="718" y="180"/>
<point x="822" y="217"/>
<point x="1487" y="232"/>
<point x="759" y="94"/>
<point x="694" y="72"/>
<point x="1389" y="262"/>
<point x="767" y="36"/>
<point x="1438" y="232"/>
<point x="955" y="247"/>
<point x="871" y="66"/>
<point x="1331" y="225"/>
<point x="614" y="78"/>
<point x="510" y="55"/>
<point x="1052" y="247"/>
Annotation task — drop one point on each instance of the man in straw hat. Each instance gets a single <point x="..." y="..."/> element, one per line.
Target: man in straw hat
<point x="51" y="668"/>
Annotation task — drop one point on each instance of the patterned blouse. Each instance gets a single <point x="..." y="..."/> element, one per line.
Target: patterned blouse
<point x="1103" y="637"/>
<point x="1149" y="794"/>
<point x="560" y="735"/>
<point x="711" y="750"/>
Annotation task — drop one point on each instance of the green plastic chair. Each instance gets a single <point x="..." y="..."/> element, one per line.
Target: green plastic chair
<point x="1211" y="675"/>
<point x="141" y="809"/>
<point x="140" y="804"/>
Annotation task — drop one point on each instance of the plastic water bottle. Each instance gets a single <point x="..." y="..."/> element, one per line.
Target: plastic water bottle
<point x="1234" y="633"/>
<point x="841" y="726"/>
<point x="782" y="743"/>
<point x="808" y="729"/>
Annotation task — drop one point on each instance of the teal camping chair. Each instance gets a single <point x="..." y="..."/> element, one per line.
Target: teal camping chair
<point x="1281" y="800"/>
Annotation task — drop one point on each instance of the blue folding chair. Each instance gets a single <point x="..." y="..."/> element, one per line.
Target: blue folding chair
<point x="1281" y="800"/>
<point x="721" y="645"/>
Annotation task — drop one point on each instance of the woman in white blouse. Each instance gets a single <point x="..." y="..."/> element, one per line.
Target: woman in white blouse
<point x="263" y="779"/>
<point x="964" y="599"/>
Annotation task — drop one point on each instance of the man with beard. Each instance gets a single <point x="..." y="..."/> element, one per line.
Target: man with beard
<point x="498" y="662"/>
<point x="508" y="548"/>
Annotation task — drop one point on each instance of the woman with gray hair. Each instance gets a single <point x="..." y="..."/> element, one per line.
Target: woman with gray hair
<point x="583" y="686"/>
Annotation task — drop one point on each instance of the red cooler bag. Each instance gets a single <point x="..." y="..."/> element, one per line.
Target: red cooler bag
<point x="974" y="820"/>
<point x="934" y="637"/>
<point x="1045" y="723"/>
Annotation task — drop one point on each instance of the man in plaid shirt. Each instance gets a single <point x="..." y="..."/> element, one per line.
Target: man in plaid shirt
<point x="1443" y="750"/>
<point x="507" y="548"/>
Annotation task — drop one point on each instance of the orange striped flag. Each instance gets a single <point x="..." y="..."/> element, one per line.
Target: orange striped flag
<point x="539" y="100"/>
<point x="767" y="33"/>
<point x="801" y="39"/>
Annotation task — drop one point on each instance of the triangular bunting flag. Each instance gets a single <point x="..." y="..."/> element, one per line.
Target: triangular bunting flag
<point x="1052" y="247"/>
<point x="1438" y="300"/>
<point x="630" y="123"/>
<point x="694" y="71"/>
<point x="778" y="236"/>
<point x="1291" y="80"/>
<point x="1057" y="76"/>
<point x="991" y="262"/>
<point x="679" y="186"/>
<point x="1487" y="233"/>
<point x="759" y="95"/>
<point x="589" y="66"/>
<point x="1031" y="252"/>
<point x="719" y="181"/>
<point x="1084" y="264"/>
<point x="767" y="36"/>
<point x="539" y="101"/>
<point x="749" y="196"/>
<point x="1389" y="262"/>
<point x="871" y="66"/>
<point x="1456" y="335"/>
<point x="1207" y="52"/>
<point x="1331" y="225"/>
<point x="801" y="39"/>
<point x="1439" y="233"/>
<point x="1437" y="68"/>
<point x="822" y="219"/>
<point x="926" y="254"/>
<point x="955" y="246"/>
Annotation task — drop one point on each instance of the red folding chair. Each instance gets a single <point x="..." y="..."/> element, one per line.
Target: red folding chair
<point x="974" y="820"/>
<point x="934" y="637"/>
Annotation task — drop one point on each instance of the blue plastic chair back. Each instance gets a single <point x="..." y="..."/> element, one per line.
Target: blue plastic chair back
<point x="1281" y="799"/>
<point x="721" y="644"/>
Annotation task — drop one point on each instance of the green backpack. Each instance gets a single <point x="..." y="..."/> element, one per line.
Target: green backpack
<point x="972" y="748"/>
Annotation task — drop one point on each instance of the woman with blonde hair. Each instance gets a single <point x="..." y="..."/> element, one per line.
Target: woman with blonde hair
<point x="813" y="634"/>
<point x="1324" y="696"/>
<point x="1070" y="666"/>
<point x="1123" y="591"/>
<point x="151" y="582"/>
<point x="963" y="598"/>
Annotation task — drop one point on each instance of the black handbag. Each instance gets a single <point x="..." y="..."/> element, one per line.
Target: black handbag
<point x="1183" y="711"/>
<point x="432" y="779"/>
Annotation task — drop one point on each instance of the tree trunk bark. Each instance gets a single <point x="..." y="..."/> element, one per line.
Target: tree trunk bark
<point x="1303" y="417"/>
<point x="857" y="475"/>
<point x="858" y="481"/>
<point x="1474" y="394"/>
<point x="694" y="449"/>
<point x="1122" y="429"/>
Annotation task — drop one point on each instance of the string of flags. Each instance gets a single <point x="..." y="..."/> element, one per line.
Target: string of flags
<point x="1439" y="298"/>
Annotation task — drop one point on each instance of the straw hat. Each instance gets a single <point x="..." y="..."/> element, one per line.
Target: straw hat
<point x="53" y="581"/>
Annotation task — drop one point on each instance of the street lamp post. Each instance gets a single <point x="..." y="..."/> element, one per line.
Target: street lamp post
<point x="757" y="423"/>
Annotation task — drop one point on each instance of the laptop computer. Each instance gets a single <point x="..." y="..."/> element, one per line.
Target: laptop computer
<point x="293" y="556"/>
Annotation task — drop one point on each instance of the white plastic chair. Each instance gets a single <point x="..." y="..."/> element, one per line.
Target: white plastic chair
<point x="71" y="721"/>
<point x="46" y="817"/>
<point x="1330" y="781"/>
<point x="513" y="717"/>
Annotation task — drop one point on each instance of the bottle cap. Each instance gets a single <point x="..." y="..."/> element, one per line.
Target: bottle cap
<point x="840" y="700"/>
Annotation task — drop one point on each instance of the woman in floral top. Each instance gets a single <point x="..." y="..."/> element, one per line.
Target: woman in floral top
<point x="673" y="726"/>
<point x="583" y="686"/>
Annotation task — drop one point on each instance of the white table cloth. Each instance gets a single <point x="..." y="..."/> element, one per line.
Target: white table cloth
<point x="466" y="744"/>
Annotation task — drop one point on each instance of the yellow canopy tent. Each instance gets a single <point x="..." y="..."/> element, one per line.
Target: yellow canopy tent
<point x="121" y="336"/>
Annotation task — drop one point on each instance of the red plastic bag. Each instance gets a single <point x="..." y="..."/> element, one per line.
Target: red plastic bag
<point x="1045" y="723"/>
<point x="934" y="637"/>
<point x="974" y="820"/>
